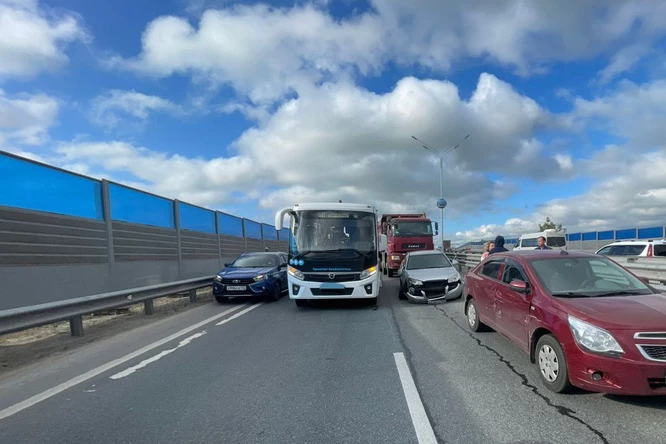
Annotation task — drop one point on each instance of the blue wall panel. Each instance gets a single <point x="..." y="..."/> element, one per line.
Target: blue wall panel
<point x="590" y="236"/>
<point x="573" y="237"/>
<point x="31" y="186"/>
<point x="651" y="233"/>
<point x="629" y="233"/>
<point x="606" y="235"/>
<point x="270" y="233"/>
<point x="128" y="205"/>
<point x="252" y="229"/>
<point x="195" y="218"/>
<point x="283" y="235"/>
<point x="230" y="225"/>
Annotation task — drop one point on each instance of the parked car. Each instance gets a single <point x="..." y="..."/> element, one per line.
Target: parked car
<point x="428" y="276"/>
<point x="583" y="319"/>
<point x="252" y="274"/>
<point x="647" y="248"/>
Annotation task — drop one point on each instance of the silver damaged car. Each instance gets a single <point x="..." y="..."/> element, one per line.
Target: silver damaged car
<point x="428" y="277"/>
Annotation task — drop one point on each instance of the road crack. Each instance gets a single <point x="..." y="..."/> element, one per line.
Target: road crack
<point x="562" y="410"/>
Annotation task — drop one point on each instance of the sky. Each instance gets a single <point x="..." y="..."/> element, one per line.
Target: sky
<point x="250" y="106"/>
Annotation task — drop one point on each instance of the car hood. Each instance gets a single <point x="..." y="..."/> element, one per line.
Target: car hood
<point x="643" y="312"/>
<point x="245" y="272"/>
<point x="432" y="274"/>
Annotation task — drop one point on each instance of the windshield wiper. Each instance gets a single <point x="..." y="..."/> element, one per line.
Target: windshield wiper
<point x="571" y="294"/>
<point x="621" y="293"/>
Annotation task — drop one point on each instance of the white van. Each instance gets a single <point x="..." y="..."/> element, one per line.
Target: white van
<point x="554" y="239"/>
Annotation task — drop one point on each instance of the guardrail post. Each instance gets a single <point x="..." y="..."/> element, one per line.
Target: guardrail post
<point x="219" y="243"/>
<point x="76" y="326"/>
<point x="193" y="295"/>
<point x="176" y="218"/>
<point x="106" y="207"/>
<point x="149" y="307"/>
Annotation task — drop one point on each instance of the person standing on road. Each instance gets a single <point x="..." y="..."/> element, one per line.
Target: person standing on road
<point x="541" y="242"/>
<point x="487" y="247"/>
<point x="499" y="246"/>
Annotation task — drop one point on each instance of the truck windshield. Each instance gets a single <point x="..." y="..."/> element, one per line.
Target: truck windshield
<point x="414" y="228"/>
<point x="322" y="231"/>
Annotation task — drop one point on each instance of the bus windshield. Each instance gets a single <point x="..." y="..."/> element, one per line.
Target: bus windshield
<point x="328" y="230"/>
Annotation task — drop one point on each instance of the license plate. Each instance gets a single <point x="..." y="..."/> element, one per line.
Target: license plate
<point x="236" y="287"/>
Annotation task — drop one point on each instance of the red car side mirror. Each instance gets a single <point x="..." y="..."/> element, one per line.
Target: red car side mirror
<point x="519" y="286"/>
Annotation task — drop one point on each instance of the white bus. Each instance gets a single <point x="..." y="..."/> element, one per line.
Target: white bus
<point x="333" y="251"/>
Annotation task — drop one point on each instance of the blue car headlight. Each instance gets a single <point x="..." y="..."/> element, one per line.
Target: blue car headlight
<point x="261" y="277"/>
<point x="218" y="278"/>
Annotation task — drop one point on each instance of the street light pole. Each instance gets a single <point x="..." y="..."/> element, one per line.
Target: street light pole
<point x="441" y="174"/>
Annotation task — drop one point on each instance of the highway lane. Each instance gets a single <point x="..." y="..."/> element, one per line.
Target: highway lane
<point x="278" y="373"/>
<point x="480" y="388"/>
<point x="274" y="374"/>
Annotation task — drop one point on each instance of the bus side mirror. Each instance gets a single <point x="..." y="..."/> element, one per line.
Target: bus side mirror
<point x="383" y="242"/>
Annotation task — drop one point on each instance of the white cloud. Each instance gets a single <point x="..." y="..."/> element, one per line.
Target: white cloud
<point x="26" y="118"/>
<point x="339" y="141"/>
<point x="527" y="35"/>
<point x="621" y="62"/>
<point x="630" y="111"/>
<point x="116" y="106"/>
<point x="262" y="52"/>
<point x="33" y="40"/>
<point x="631" y="192"/>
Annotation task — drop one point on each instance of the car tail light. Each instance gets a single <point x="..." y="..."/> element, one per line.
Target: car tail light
<point x="649" y="252"/>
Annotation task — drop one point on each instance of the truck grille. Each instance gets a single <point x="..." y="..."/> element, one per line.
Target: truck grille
<point x="654" y="352"/>
<point x="338" y="277"/>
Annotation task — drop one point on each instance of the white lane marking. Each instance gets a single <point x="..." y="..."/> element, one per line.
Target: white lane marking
<point x="157" y="357"/>
<point x="424" y="432"/>
<point x="240" y="313"/>
<point x="12" y="410"/>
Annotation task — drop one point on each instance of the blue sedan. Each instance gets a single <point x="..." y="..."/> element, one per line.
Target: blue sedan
<point x="262" y="275"/>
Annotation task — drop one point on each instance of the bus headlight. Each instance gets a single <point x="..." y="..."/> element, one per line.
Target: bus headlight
<point x="298" y="274"/>
<point x="367" y="273"/>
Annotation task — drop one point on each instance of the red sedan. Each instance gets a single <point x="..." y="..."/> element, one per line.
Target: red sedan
<point x="583" y="319"/>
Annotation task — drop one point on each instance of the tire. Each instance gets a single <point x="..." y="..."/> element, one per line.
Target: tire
<point x="371" y="301"/>
<point x="472" y="312"/>
<point x="221" y="299"/>
<point x="301" y="302"/>
<point x="401" y="294"/>
<point x="277" y="292"/>
<point x="551" y="364"/>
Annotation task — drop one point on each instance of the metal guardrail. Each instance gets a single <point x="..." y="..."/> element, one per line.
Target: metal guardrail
<point x="33" y="316"/>
<point x="651" y="268"/>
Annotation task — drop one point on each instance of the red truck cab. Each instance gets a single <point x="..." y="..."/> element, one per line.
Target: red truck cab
<point x="404" y="233"/>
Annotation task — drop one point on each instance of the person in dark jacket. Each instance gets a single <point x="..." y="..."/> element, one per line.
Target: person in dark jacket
<point x="542" y="244"/>
<point x="499" y="245"/>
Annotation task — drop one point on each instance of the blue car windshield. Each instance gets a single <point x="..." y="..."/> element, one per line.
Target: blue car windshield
<point x="255" y="261"/>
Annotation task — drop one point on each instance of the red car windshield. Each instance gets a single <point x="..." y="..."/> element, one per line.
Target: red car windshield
<point x="587" y="277"/>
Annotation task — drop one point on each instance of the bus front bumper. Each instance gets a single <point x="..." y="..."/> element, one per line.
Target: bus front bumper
<point x="363" y="289"/>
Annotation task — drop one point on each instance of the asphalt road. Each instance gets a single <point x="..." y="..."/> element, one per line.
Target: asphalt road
<point x="274" y="373"/>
